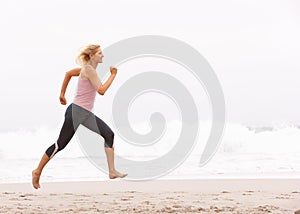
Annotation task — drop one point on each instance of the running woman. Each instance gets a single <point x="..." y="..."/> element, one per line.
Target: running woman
<point x="79" y="112"/>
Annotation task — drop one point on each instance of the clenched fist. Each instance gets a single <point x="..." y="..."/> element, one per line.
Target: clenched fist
<point x="113" y="70"/>
<point x="62" y="99"/>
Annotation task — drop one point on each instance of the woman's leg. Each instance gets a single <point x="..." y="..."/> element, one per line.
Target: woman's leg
<point x="113" y="173"/>
<point x="37" y="172"/>
<point x="98" y="126"/>
<point x="67" y="131"/>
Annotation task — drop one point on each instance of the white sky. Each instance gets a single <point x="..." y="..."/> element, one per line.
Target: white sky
<point x="253" y="46"/>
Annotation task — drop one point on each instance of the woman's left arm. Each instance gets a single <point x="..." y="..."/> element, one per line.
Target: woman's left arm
<point x="68" y="76"/>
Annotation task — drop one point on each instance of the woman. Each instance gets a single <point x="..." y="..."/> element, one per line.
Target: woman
<point x="79" y="112"/>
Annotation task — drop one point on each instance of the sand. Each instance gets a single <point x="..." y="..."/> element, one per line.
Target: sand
<point x="156" y="196"/>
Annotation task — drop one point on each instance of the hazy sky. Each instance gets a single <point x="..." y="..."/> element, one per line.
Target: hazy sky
<point x="253" y="47"/>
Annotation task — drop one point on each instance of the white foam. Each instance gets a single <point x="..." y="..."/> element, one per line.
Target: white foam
<point x="243" y="152"/>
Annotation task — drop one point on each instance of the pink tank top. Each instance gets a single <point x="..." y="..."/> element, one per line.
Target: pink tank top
<point x="86" y="93"/>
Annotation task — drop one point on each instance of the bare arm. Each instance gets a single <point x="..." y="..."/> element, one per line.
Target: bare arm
<point x="101" y="88"/>
<point x="68" y="76"/>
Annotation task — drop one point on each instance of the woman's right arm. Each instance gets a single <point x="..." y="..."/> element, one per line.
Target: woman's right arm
<point x="68" y="76"/>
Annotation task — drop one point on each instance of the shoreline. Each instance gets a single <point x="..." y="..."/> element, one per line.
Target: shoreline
<point x="203" y="185"/>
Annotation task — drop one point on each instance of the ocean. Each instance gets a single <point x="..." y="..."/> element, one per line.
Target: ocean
<point x="244" y="152"/>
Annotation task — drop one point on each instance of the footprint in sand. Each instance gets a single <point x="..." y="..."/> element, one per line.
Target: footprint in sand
<point x="146" y="202"/>
<point x="267" y="208"/>
<point x="282" y="197"/>
<point x="83" y="195"/>
<point x="8" y="193"/>
<point x="131" y="191"/>
<point x="67" y="193"/>
<point x="125" y="199"/>
<point x="296" y="192"/>
<point x="246" y="194"/>
<point x="169" y="198"/>
<point x="14" y="199"/>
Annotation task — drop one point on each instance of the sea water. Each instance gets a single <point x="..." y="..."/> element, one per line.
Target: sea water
<point x="243" y="152"/>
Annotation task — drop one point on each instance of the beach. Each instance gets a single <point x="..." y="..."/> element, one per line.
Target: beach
<point x="154" y="196"/>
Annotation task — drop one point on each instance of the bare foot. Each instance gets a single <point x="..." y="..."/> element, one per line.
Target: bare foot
<point x="115" y="174"/>
<point x="36" y="179"/>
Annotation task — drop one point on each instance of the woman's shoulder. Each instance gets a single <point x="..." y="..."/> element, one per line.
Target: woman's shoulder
<point x="87" y="71"/>
<point x="88" y="68"/>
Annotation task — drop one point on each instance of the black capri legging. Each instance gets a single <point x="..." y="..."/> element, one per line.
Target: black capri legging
<point x="74" y="116"/>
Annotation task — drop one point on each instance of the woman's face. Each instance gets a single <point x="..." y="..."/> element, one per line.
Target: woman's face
<point x="97" y="57"/>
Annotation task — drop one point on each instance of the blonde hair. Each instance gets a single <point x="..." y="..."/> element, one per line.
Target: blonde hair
<point x="84" y="55"/>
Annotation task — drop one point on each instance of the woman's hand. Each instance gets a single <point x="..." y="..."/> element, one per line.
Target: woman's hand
<point x="113" y="70"/>
<point x="62" y="99"/>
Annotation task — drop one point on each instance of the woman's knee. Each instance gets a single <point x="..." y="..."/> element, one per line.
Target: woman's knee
<point x="110" y="135"/>
<point x="109" y="139"/>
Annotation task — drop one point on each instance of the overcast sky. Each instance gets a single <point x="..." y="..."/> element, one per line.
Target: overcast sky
<point x="253" y="47"/>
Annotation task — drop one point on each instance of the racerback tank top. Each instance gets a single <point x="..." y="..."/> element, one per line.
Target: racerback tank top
<point x="86" y="94"/>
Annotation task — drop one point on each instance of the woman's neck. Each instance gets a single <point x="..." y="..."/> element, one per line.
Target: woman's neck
<point x="93" y="64"/>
